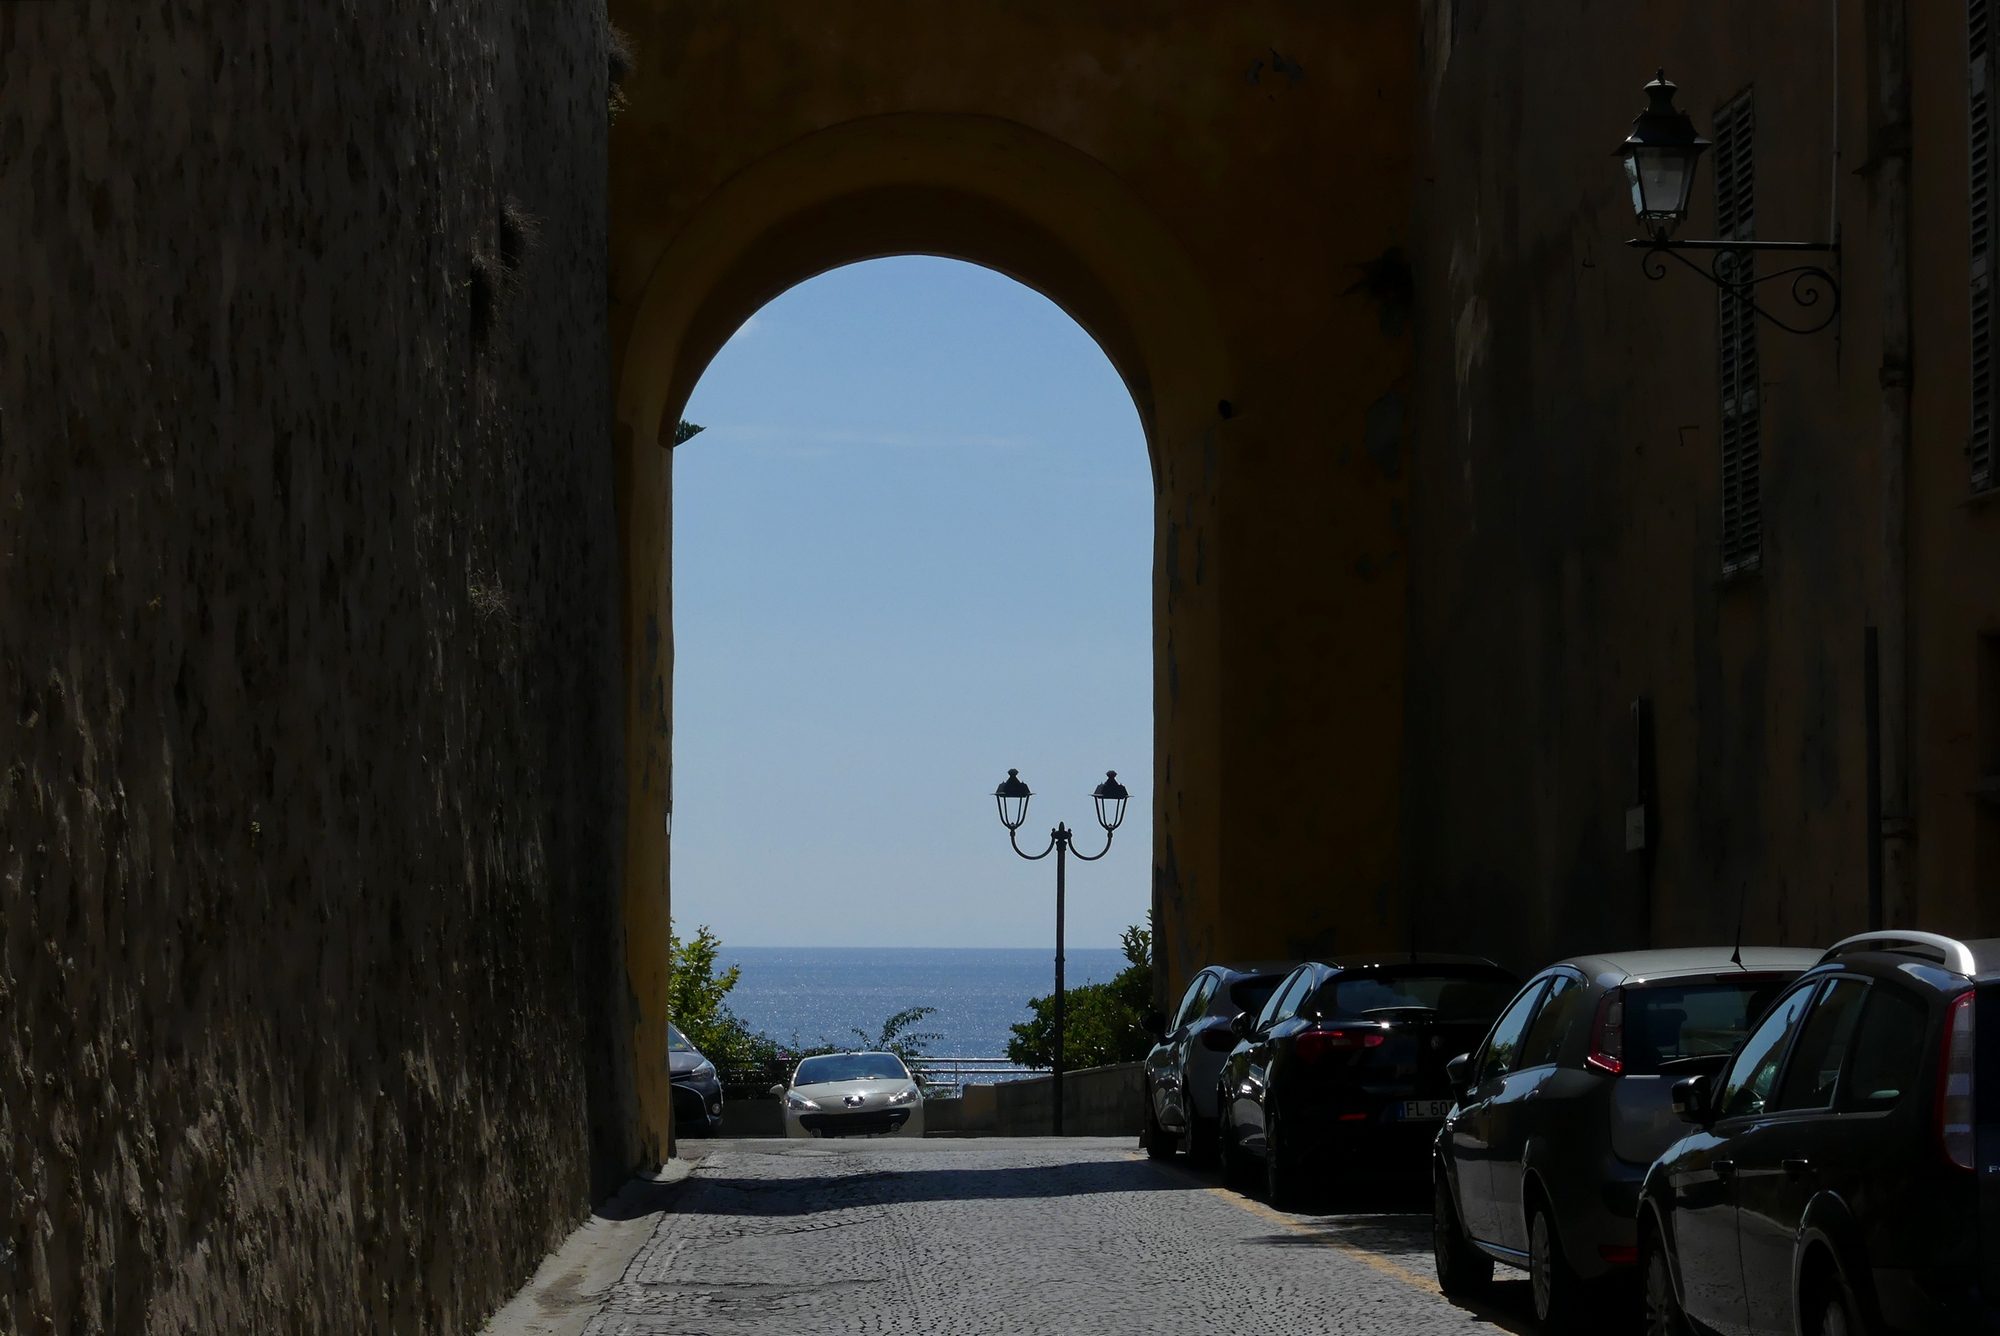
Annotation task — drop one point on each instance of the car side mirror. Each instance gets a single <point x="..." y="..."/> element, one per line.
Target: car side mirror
<point x="1154" y="1023"/>
<point x="1691" y="1099"/>
<point x="1242" y="1025"/>
<point x="1458" y="1072"/>
<point x="777" y="1092"/>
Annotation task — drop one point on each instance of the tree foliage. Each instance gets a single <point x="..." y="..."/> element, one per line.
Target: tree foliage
<point x="897" y="1037"/>
<point x="1103" y="1023"/>
<point x="698" y="1002"/>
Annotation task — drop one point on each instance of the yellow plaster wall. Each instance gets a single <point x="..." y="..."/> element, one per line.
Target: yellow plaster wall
<point x="645" y="503"/>
<point x="1217" y="194"/>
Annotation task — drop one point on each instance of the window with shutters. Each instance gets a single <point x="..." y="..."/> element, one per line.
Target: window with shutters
<point x="1979" y="197"/>
<point x="1736" y="339"/>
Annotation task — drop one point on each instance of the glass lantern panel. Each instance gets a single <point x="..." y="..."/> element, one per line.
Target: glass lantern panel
<point x="1013" y="811"/>
<point x="1110" y="812"/>
<point x="1664" y="177"/>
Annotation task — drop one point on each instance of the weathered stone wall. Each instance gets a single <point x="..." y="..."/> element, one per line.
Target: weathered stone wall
<point x="1567" y="501"/>
<point x="309" y="680"/>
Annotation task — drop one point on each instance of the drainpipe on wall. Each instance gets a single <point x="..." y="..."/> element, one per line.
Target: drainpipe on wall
<point x="1889" y="166"/>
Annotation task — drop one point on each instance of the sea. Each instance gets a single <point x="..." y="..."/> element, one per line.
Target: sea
<point x="806" y="995"/>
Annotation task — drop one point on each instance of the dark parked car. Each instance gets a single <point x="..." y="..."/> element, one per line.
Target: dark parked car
<point x="1182" y="1069"/>
<point x="1568" y="1100"/>
<point x="697" y="1088"/>
<point x="1844" y="1174"/>
<point x="1343" y="1070"/>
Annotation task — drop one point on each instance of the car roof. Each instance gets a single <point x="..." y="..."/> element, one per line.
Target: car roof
<point x="1976" y="956"/>
<point x="1235" y="969"/>
<point x="1380" y="959"/>
<point x="1675" y="961"/>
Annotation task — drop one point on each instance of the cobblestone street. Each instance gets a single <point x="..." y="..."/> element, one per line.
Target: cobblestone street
<point x="1019" y="1235"/>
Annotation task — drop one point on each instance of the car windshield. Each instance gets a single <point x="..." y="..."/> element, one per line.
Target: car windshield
<point x="1251" y="994"/>
<point x="677" y="1042"/>
<point x="1453" y="995"/>
<point x="851" y="1067"/>
<point x="1667" y="1023"/>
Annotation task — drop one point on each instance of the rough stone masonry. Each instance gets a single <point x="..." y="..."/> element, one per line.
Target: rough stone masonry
<point x="309" y="693"/>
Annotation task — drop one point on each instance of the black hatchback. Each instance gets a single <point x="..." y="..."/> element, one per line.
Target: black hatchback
<point x="1344" y="1068"/>
<point x="1844" y="1174"/>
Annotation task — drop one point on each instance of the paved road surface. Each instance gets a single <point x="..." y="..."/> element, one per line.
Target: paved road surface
<point x="1019" y="1235"/>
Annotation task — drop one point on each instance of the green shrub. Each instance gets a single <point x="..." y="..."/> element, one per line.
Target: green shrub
<point x="1103" y="1023"/>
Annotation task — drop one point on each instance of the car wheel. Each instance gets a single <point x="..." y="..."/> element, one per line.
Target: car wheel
<point x="1281" y="1168"/>
<point x="1228" y="1156"/>
<point x="1663" y="1316"/>
<point x="1198" y="1142"/>
<point x="1558" y="1297"/>
<point x="1159" y="1145"/>
<point x="1838" y="1314"/>
<point x="1461" y="1268"/>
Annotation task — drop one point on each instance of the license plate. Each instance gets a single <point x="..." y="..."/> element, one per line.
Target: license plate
<point x="1422" y="1110"/>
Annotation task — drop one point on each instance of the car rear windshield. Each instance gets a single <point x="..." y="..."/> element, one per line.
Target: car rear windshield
<point x="1251" y="994"/>
<point x="1453" y="995"/>
<point x="851" y="1067"/>
<point x="1666" y="1023"/>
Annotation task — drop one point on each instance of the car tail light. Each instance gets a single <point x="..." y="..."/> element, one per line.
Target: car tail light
<point x="1607" y="1034"/>
<point x="1955" y="1115"/>
<point x="1312" y="1045"/>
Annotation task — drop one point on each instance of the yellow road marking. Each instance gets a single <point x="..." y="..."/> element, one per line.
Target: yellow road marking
<point x="1387" y="1266"/>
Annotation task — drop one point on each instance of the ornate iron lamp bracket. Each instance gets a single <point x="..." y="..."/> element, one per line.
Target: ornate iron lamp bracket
<point x="1814" y="288"/>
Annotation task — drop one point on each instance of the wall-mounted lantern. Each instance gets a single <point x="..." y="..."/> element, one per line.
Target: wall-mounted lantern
<point x="1660" y="156"/>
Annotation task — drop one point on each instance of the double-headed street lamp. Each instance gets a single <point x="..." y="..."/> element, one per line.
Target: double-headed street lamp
<point x="1660" y="156"/>
<point x="1012" y="799"/>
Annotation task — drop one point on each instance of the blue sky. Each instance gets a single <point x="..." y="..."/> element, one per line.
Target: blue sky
<point x="912" y="548"/>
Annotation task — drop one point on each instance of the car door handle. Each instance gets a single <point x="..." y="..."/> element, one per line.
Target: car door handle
<point x="1796" y="1168"/>
<point x="1725" y="1169"/>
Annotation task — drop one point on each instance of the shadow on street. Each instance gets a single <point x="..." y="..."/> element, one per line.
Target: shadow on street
<point x="829" y="1192"/>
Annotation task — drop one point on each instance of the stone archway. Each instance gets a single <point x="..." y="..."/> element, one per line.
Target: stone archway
<point x="1265" y="372"/>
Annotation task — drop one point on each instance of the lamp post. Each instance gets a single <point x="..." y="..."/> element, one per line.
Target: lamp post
<point x="1660" y="156"/>
<point x="1012" y="800"/>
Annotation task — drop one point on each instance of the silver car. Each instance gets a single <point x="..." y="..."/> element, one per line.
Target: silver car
<point x="1182" y="1068"/>
<point x="1568" y="1101"/>
<point x="852" y="1095"/>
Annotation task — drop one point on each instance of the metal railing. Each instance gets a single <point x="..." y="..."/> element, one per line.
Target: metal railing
<point x="938" y="1075"/>
<point x="949" y="1075"/>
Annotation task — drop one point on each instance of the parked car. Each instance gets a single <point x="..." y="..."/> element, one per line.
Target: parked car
<point x="697" y="1088"/>
<point x="1344" y="1068"/>
<point x="852" y="1095"/>
<point x="1843" y="1172"/>
<point x="1182" y="1068"/>
<point x="1566" y="1102"/>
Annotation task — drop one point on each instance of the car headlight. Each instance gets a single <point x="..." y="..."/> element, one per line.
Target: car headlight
<point x="907" y="1095"/>
<point x="799" y="1103"/>
<point x="705" y="1071"/>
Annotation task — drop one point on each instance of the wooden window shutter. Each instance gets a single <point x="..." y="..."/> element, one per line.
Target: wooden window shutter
<point x="1979" y="199"/>
<point x="1737" y="376"/>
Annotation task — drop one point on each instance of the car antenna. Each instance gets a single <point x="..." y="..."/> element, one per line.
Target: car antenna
<point x="1742" y="898"/>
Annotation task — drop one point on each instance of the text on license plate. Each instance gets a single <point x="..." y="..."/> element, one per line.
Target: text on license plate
<point x="1415" y="1110"/>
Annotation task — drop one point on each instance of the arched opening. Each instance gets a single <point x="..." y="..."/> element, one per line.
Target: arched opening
<point x="993" y="194"/>
<point x="912" y="547"/>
